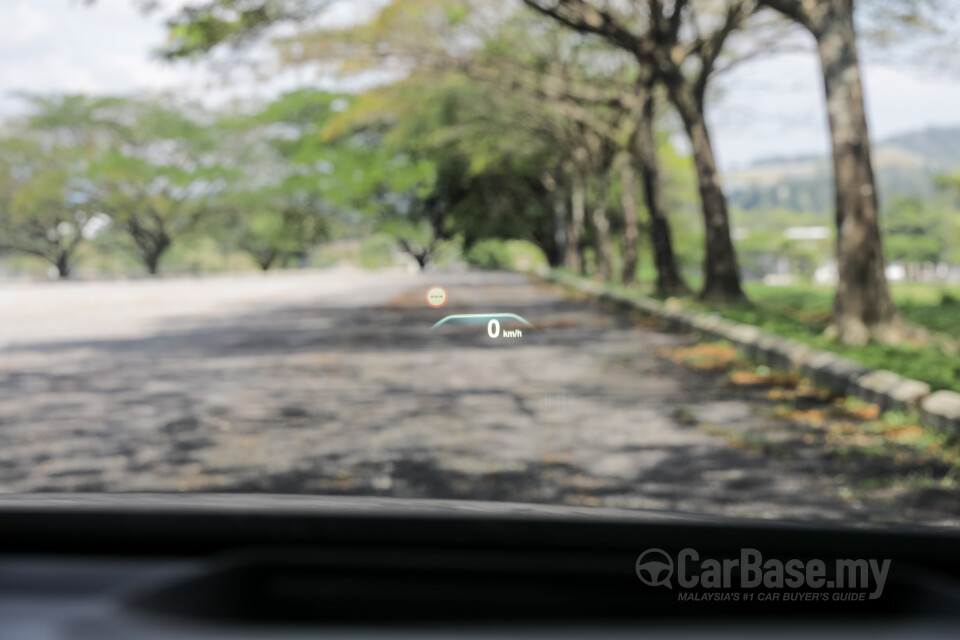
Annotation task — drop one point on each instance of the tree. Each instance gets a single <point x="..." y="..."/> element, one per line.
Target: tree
<point x="159" y="174"/>
<point x="425" y="38"/>
<point x="273" y="203"/>
<point x="43" y="207"/>
<point x="271" y="224"/>
<point x="376" y="169"/>
<point x="515" y="52"/>
<point x="654" y="34"/>
<point x="863" y="308"/>
<point x="669" y="280"/>
<point x="590" y="84"/>
<point x="915" y="231"/>
<point x="624" y="130"/>
<point x="47" y="205"/>
<point x="196" y="29"/>
<point x="444" y="35"/>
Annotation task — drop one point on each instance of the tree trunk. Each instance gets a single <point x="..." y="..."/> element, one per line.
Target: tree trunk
<point x="422" y="258"/>
<point x="63" y="265"/>
<point x="863" y="307"/>
<point x="720" y="270"/>
<point x="265" y="260"/>
<point x="631" y="234"/>
<point x="152" y="244"/>
<point x="559" y="231"/>
<point x="669" y="280"/>
<point x="601" y="227"/>
<point x="152" y="262"/>
<point x="573" y="259"/>
<point x="420" y="254"/>
<point x="154" y="252"/>
<point x="554" y="240"/>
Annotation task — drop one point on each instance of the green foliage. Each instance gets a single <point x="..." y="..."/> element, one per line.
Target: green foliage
<point x="509" y="255"/>
<point x="683" y="205"/>
<point x="157" y="173"/>
<point x="377" y="251"/>
<point x="949" y="300"/>
<point x="200" y="27"/>
<point x="445" y="157"/>
<point x="915" y="231"/>
<point x="762" y="242"/>
<point x="430" y="166"/>
<point x="43" y="201"/>
<point x="276" y="202"/>
<point x="272" y="236"/>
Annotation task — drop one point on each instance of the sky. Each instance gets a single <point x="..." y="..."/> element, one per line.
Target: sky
<point x="769" y="107"/>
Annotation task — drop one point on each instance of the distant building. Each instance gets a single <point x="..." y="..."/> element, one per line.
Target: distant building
<point x="896" y="272"/>
<point x="826" y="274"/>
<point x="806" y="233"/>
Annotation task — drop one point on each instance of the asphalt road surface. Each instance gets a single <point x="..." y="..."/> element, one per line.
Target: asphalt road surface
<point x="332" y="383"/>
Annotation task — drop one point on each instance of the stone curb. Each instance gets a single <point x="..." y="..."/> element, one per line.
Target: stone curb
<point x="839" y="375"/>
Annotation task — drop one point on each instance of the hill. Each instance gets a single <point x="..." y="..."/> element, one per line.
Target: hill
<point x="906" y="165"/>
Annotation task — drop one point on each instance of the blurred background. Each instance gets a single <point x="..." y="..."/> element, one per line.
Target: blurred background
<point x="388" y="132"/>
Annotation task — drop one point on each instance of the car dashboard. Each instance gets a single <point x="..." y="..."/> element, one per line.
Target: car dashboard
<point x="232" y="566"/>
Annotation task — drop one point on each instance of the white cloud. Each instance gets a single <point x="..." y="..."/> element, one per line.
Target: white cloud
<point x="67" y="46"/>
<point x="900" y="100"/>
<point x="23" y="23"/>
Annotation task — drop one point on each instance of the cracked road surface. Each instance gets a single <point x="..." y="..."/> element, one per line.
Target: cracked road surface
<point x="331" y="383"/>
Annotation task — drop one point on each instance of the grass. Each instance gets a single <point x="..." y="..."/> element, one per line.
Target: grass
<point x="933" y="307"/>
<point x="802" y="312"/>
<point x="925" y="362"/>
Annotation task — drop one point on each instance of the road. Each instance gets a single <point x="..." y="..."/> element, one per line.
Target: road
<point x="332" y="383"/>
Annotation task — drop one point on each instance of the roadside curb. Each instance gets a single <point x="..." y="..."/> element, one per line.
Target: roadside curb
<point x="839" y="375"/>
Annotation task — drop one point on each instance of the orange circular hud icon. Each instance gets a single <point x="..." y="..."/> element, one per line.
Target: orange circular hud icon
<point x="436" y="297"/>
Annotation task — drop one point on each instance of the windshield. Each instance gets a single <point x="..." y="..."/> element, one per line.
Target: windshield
<point x="698" y="257"/>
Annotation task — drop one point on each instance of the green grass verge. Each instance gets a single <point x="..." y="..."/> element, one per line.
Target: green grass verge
<point x="802" y="313"/>
<point x="934" y="307"/>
